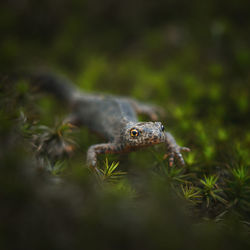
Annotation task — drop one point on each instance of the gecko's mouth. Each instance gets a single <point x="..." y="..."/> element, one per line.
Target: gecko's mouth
<point x="154" y="139"/>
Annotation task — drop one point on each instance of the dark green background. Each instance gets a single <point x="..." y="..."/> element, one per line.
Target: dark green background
<point x="190" y="57"/>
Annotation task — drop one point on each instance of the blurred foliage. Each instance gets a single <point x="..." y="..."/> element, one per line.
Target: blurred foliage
<point x="193" y="59"/>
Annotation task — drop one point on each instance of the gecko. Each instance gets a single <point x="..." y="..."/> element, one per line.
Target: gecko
<point x="114" y="118"/>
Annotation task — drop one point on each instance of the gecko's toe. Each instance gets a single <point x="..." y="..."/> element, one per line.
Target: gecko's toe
<point x="154" y="116"/>
<point x="185" y="149"/>
<point x="175" y="153"/>
<point x="180" y="159"/>
<point x="171" y="159"/>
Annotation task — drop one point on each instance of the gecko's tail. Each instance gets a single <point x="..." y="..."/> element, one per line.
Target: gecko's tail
<point x="60" y="87"/>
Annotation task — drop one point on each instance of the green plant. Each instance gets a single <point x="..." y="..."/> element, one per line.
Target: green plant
<point x="191" y="194"/>
<point x="238" y="188"/>
<point x="53" y="143"/>
<point x="210" y="190"/>
<point x="54" y="169"/>
<point x="108" y="174"/>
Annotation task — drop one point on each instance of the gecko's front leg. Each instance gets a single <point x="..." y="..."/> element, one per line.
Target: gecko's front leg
<point x="174" y="150"/>
<point x="104" y="148"/>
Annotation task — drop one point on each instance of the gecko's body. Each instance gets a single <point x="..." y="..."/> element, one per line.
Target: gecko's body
<point x="114" y="118"/>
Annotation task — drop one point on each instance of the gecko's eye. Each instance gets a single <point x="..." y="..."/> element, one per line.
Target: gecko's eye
<point x="162" y="128"/>
<point x="134" y="132"/>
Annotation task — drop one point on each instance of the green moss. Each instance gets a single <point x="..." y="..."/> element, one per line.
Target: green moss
<point x="185" y="57"/>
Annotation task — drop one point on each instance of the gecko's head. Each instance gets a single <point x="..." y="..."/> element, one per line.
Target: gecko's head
<point x="143" y="134"/>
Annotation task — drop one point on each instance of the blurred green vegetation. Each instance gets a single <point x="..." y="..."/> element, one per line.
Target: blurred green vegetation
<point x="193" y="59"/>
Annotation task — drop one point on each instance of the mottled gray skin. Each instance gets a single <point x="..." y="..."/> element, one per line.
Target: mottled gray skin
<point x="114" y="118"/>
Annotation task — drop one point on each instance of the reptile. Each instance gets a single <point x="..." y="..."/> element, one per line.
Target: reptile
<point x="114" y="118"/>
